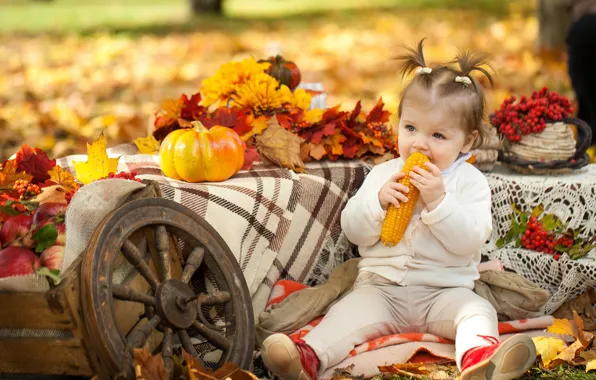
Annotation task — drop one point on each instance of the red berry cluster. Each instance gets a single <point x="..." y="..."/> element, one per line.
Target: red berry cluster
<point x="131" y="175"/>
<point x="538" y="239"/>
<point x="379" y="129"/>
<point x="530" y="115"/>
<point x="25" y="189"/>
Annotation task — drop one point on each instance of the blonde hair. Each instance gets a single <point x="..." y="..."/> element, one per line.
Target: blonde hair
<point x="447" y="82"/>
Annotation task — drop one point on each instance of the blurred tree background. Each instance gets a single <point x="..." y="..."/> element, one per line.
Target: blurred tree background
<point x="69" y="68"/>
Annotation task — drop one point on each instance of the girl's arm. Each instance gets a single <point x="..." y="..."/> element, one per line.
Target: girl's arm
<point x="462" y="221"/>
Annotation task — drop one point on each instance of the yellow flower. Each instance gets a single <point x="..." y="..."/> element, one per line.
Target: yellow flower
<point x="301" y="99"/>
<point x="260" y="94"/>
<point x="232" y="75"/>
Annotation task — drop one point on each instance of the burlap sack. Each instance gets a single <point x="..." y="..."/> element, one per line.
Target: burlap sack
<point x="513" y="296"/>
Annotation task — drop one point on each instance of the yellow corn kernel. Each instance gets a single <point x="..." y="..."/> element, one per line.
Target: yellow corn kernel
<point x="397" y="219"/>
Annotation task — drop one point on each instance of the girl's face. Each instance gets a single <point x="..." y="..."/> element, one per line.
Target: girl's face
<point x="433" y="129"/>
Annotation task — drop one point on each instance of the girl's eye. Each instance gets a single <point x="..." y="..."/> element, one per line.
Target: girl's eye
<point x="438" y="136"/>
<point x="410" y="128"/>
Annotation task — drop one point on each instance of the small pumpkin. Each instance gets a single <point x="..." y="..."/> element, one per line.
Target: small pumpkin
<point x="286" y="72"/>
<point x="199" y="154"/>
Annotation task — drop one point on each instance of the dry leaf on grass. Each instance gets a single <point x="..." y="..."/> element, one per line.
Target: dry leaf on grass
<point x="280" y="146"/>
<point x="548" y="348"/>
<point x="590" y="360"/>
<point x="147" y="366"/>
<point x="422" y="370"/>
<point x="584" y="305"/>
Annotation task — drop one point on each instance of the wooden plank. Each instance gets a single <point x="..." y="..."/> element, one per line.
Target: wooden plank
<point x="43" y="356"/>
<point x="34" y="310"/>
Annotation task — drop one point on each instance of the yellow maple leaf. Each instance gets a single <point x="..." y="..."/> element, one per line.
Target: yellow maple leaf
<point x="63" y="178"/>
<point x="147" y="145"/>
<point x="548" y="348"/>
<point x="590" y="357"/>
<point x="9" y="175"/>
<point x="98" y="163"/>
<point x="258" y="126"/>
<point x="561" y="326"/>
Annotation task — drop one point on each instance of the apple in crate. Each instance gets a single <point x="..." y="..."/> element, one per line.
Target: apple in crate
<point x="49" y="210"/>
<point x="18" y="261"/>
<point x="52" y="257"/>
<point x="14" y="228"/>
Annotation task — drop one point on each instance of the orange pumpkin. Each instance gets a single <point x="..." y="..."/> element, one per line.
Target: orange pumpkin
<point x="286" y="72"/>
<point x="200" y="154"/>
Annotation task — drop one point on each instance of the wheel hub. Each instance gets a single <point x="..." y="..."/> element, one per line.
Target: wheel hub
<point x="176" y="304"/>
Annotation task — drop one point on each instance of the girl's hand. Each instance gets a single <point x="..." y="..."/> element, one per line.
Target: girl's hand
<point x="430" y="183"/>
<point x="393" y="192"/>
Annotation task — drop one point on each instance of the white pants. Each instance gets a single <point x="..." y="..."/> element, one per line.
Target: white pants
<point x="377" y="307"/>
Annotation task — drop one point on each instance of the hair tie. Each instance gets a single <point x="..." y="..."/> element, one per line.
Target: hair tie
<point x="465" y="80"/>
<point x="423" y="70"/>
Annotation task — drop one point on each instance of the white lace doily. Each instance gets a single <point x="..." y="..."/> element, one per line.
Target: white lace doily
<point x="572" y="197"/>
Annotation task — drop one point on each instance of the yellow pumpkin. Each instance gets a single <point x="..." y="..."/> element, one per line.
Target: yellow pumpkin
<point x="200" y="154"/>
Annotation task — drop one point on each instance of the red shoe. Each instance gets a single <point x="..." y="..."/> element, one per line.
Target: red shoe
<point x="289" y="360"/>
<point x="500" y="361"/>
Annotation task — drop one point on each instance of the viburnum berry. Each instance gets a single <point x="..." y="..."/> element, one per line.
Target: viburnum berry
<point x="530" y="115"/>
<point x="132" y="176"/>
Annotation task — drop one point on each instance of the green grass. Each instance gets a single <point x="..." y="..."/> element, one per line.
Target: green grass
<point x="58" y="16"/>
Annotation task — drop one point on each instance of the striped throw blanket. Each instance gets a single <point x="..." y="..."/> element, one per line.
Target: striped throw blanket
<point x="279" y="224"/>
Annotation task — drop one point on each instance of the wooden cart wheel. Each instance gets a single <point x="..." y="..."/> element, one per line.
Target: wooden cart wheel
<point x="172" y="310"/>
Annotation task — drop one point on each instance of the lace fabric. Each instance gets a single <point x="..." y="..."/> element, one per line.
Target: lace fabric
<point x="572" y="197"/>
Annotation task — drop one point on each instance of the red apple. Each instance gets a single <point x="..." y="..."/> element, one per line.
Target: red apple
<point x="61" y="239"/>
<point x="49" y="210"/>
<point x="15" y="261"/>
<point x="15" y="228"/>
<point x="52" y="257"/>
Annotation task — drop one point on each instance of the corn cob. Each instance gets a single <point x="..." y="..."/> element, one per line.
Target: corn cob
<point x="397" y="219"/>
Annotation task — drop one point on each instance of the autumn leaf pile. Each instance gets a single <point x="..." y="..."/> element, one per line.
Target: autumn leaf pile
<point x="58" y="92"/>
<point x="275" y="122"/>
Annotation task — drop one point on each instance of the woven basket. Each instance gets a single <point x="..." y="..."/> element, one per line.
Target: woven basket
<point x="553" y="151"/>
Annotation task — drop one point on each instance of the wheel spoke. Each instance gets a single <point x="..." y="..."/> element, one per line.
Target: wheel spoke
<point x="163" y="247"/>
<point x="192" y="264"/>
<point x="167" y="352"/>
<point x="139" y="336"/>
<point x="188" y="347"/>
<point x="133" y="255"/>
<point x="216" y="298"/>
<point x="214" y="337"/>
<point x="125" y="293"/>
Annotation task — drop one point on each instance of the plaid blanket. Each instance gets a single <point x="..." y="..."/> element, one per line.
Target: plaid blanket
<point x="278" y="224"/>
<point x="398" y="348"/>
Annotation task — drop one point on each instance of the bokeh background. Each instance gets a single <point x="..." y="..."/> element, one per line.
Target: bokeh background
<point x="70" y="69"/>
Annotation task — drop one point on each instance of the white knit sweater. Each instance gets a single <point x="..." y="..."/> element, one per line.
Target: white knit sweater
<point x="440" y="248"/>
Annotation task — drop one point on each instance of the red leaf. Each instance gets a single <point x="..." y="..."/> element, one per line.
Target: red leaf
<point x="225" y="117"/>
<point x="329" y="129"/>
<point x="191" y="110"/>
<point x="355" y="113"/>
<point x="162" y="131"/>
<point x="377" y="114"/>
<point x="317" y="137"/>
<point x="34" y="162"/>
<point x="351" y="146"/>
<point x="250" y="155"/>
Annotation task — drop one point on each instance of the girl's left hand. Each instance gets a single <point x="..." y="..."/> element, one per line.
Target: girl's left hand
<point x="430" y="183"/>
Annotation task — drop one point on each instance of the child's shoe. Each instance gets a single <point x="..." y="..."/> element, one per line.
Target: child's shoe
<point x="500" y="361"/>
<point x="289" y="360"/>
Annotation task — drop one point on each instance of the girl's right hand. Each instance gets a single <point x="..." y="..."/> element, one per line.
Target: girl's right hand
<point x="393" y="192"/>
